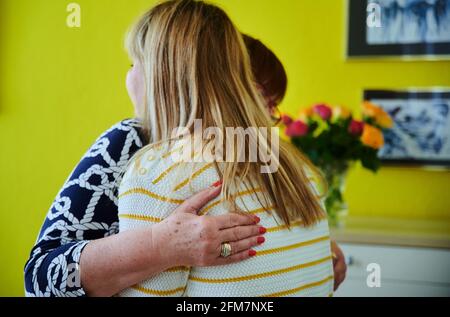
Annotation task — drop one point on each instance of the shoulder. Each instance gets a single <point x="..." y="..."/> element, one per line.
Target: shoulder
<point x="155" y="182"/>
<point x="128" y="130"/>
<point x="117" y="144"/>
<point x="110" y="152"/>
<point x="90" y="192"/>
<point x="167" y="169"/>
<point x="125" y="126"/>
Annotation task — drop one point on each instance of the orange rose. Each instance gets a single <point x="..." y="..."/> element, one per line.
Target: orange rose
<point x="381" y="117"/>
<point x="384" y="120"/>
<point x="370" y="110"/>
<point x="372" y="137"/>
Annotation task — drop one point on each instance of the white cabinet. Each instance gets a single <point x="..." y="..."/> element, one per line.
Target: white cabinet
<point x="404" y="271"/>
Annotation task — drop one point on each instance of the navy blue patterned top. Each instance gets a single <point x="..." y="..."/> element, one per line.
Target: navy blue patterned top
<point x="84" y="209"/>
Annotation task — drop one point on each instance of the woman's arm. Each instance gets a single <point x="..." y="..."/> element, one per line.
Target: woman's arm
<point x="112" y="264"/>
<point x="83" y="222"/>
<point x="85" y="209"/>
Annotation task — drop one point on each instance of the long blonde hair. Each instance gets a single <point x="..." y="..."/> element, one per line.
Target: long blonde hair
<point x="196" y="66"/>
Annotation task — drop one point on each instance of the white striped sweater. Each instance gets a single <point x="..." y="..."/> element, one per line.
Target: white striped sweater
<point x="294" y="262"/>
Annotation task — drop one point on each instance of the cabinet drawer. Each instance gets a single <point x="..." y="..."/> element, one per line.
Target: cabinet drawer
<point x="400" y="263"/>
<point x="404" y="271"/>
<point x="357" y="287"/>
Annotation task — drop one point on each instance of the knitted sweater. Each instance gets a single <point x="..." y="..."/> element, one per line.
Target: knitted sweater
<point x="294" y="262"/>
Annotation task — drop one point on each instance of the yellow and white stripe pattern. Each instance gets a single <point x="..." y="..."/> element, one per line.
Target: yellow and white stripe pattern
<point x="294" y="262"/>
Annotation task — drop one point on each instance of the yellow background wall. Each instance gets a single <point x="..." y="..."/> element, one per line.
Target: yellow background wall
<point x="60" y="88"/>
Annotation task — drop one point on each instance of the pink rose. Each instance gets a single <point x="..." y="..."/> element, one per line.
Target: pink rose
<point x="286" y="119"/>
<point x="296" y="129"/>
<point x="323" y="111"/>
<point x="356" y="127"/>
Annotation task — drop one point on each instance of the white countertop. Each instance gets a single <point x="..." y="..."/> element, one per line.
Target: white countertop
<point x="394" y="231"/>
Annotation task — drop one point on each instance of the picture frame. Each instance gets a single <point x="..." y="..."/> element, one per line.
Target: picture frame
<point x="408" y="30"/>
<point x="421" y="132"/>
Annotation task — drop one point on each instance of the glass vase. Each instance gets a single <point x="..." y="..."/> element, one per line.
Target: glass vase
<point x="335" y="203"/>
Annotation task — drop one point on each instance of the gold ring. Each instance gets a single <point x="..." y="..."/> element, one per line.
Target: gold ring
<point x="225" y="250"/>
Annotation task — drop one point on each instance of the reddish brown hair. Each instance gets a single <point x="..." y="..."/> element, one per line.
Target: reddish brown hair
<point x="267" y="69"/>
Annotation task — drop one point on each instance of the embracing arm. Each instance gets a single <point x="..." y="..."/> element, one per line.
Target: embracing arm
<point x="184" y="239"/>
<point x="339" y="265"/>
<point x="85" y="209"/>
<point x="79" y="251"/>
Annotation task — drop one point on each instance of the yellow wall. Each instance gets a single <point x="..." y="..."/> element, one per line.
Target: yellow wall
<point x="60" y="88"/>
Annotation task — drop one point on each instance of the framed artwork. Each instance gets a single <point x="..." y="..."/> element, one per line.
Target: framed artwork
<point x="421" y="131"/>
<point x="405" y="29"/>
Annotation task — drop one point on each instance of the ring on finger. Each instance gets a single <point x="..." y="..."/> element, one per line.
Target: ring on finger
<point x="225" y="250"/>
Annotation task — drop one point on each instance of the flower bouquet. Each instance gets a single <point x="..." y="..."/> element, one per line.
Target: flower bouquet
<point x="333" y="140"/>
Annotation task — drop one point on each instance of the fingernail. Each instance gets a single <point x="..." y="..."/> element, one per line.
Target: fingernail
<point x="262" y="230"/>
<point x="252" y="252"/>
<point x="257" y="219"/>
<point x="217" y="184"/>
<point x="260" y="240"/>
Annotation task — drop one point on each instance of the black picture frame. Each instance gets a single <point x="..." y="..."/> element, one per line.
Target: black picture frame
<point x="410" y="126"/>
<point x="358" y="47"/>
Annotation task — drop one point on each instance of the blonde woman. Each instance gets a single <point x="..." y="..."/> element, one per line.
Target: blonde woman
<point x="192" y="64"/>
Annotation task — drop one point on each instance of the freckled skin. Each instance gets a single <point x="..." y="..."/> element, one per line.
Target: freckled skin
<point x="191" y="236"/>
